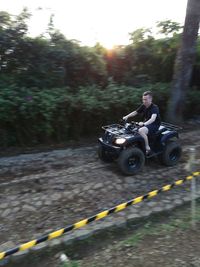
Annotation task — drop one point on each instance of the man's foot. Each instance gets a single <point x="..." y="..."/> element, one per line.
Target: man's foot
<point x="148" y="149"/>
<point x="149" y="152"/>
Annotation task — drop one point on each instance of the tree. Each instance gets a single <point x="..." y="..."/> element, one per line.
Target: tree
<point x="184" y="62"/>
<point x="12" y="32"/>
<point x="140" y="35"/>
<point x="168" y="27"/>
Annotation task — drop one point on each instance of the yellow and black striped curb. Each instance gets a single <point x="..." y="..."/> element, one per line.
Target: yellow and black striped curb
<point x="96" y="217"/>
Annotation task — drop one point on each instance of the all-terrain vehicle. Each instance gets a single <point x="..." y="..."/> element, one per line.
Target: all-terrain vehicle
<point x="122" y="143"/>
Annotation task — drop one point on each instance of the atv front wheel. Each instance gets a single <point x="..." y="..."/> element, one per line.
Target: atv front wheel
<point x="171" y="154"/>
<point x="131" y="161"/>
<point x="104" y="155"/>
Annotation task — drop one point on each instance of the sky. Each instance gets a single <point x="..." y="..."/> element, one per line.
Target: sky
<point x="89" y="21"/>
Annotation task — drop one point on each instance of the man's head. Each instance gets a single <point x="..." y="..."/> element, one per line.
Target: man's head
<point x="147" y="98"/>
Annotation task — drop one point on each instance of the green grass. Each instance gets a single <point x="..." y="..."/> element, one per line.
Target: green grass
<point x="179" y="221"/>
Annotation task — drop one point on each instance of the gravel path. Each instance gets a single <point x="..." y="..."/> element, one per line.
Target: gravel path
<point x="46" y="191"/>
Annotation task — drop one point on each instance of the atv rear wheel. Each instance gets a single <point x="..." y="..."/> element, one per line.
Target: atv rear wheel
<point x="104" y="155"/>
<point x="171" y="154"/>
<point x="131" y="161"/>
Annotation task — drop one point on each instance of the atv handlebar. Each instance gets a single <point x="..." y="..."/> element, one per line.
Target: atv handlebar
<point x="132" y="126"/>
<point x="135" y="123"/>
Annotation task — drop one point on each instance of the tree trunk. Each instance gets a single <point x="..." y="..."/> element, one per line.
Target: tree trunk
<point x="184" y="62"/>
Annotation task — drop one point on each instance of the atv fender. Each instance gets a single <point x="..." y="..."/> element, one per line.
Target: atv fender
<point x="168" y="135"/>
<point x="136" y="141"/>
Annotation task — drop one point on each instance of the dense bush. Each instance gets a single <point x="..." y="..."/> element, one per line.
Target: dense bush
<point x="32" y="116"/>
<point x="192" y="103"/>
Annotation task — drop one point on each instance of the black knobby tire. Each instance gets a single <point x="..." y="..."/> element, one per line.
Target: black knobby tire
<point x="131" y="161"/>
<point x="104" y="155"/>
<point x="171" y="154"/>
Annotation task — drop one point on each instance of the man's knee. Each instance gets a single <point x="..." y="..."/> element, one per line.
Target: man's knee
<point x="140" y="131"/>
<point x="143" y="130"/>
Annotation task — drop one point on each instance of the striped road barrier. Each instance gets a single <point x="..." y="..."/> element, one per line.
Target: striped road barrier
<point x="96" y="217"/>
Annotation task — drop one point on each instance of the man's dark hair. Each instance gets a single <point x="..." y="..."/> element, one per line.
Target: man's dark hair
<point x="148" y="93"/>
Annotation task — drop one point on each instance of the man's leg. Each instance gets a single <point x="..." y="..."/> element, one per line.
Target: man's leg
<point x="143" y="132"/>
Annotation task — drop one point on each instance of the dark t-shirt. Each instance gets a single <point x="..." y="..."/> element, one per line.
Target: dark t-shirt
<point x="147" y="113"/>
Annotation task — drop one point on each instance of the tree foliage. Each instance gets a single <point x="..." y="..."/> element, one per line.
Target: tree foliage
<point x="53" y="89"/>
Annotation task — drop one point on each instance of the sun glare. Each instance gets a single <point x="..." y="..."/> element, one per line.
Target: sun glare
<point x="108" y="44"/>
<point x="102" y="21"/>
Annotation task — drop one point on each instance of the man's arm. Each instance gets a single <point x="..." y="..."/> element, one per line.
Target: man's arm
<point x="132" y="114"/>
<point x="151" y="120"/>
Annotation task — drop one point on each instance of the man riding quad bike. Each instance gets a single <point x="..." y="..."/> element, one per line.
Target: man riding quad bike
<point x="124" y="144"/>
<point x="131" y="143"/>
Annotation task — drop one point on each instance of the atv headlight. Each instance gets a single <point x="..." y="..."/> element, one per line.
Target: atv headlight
<point x="120" y="141"/>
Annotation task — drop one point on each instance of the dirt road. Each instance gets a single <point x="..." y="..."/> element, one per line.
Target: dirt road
<point x="45" y="191"/>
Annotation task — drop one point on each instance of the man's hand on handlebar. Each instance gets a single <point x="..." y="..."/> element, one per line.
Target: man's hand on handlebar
<point x="125" y="118"/>
<point x="141" y="123"/>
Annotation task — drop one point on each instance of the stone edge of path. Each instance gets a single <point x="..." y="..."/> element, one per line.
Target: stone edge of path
<point x="109" y="223"/>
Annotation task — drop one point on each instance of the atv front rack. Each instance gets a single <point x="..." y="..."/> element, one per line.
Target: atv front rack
<point x="113" y="128"/>
<point x="118" y="129"/>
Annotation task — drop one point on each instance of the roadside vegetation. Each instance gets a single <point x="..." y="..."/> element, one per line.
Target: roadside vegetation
<point x="168" y="240"/>
<point x="53" y="89"/>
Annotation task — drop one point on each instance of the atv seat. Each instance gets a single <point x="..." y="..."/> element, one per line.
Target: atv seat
<point x="161" y="129"/>
<point x="157" y="135"/>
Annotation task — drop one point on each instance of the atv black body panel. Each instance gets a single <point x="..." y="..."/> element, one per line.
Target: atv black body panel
<point x="113" y="150"/>
<point x="166" y="135"/>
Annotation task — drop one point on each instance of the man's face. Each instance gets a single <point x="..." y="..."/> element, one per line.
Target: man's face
<point x="147" y="100"/>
